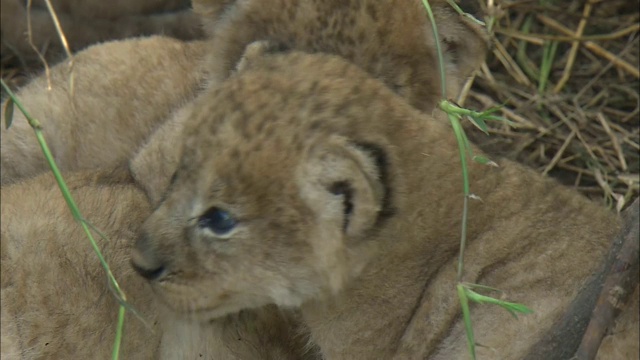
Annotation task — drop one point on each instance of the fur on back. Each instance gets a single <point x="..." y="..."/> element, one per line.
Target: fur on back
<point x="121" y="92"/>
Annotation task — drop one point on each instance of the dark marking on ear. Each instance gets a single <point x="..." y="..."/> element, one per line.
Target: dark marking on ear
<point x="271" y="47"/>
<point x="382" y="163"/>
<point x="277" y="47"/>
<point x="344" y="189"/>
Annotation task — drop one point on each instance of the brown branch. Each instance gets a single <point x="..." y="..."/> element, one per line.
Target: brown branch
<point x="565" y="337"/>
<point x="593" y="47"/>
<point x="538" y="39"/>
<point x="619" y="285"/>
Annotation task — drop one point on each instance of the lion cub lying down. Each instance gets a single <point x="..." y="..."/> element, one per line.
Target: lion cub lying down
<point x="56" y="303"/>
<point x="122" y="91"/>
<point x="305" y="183"/>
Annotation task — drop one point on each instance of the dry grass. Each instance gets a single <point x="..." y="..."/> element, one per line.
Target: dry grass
<point x="567" y="73"/>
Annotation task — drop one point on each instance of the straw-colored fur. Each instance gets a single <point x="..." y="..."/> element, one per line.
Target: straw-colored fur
<point x="120" y="92"/>
<point x="123" y="90"/>
<point x="347" y="204"/>
<point x="55" y="300"/>
<point x="390" y="39"/>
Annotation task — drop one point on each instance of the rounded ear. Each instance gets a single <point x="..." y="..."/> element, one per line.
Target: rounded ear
<point x="344" y="183"/>
<point x="156" y="162"/>
<point x="465" y="41"/>
<point x="257" y="49"/>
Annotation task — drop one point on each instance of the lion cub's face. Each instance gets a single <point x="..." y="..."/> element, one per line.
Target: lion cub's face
<point x="273" y="192"/>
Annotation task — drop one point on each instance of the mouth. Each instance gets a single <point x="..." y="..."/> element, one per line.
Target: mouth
<point x="203" y="314"/>
<point x="189" y="303"/>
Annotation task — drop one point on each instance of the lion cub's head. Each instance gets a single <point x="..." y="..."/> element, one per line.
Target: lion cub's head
<point x="390" y="39"/>
<point x="285" y="175"/>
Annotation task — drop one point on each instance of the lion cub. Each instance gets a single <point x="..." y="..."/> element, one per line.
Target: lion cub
<point x="122" y="91"/>
<point x="149" y="80"/>
<point x="56" y="303"/>
<point x="306" y="183"/>
<point x="390" y="39"/>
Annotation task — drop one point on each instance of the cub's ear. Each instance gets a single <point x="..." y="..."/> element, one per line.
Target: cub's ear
<point x="211" y="11"/>
<point x="156" y="162"/>
<point x="257" y="49"/>
<point x="344" y="183"/>
<point x="465" y="41"/>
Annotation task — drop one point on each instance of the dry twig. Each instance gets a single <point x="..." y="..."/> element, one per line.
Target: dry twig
<point x="621" y="281"/>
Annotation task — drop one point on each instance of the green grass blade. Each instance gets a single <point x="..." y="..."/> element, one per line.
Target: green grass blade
<point x="479" y="123"/>
<point x="8" y="113"/>
<point x="482" y="287"/>
<point x="66" y="194"/>
<point x="434" y="28"/>
<point x="119" y="331"/>
<point x="549" y="53"/>
<point x="484" y="160"/>
<point x="466" y="316"/>
<point x="462" y="147"/>
<point x="521" y="55"/>
<point x="513" y="308"/>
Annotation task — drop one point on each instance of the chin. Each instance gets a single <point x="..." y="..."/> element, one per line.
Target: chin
<point x="195" y="310"/>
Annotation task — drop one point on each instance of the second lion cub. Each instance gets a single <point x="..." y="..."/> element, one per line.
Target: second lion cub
<point x="121" y="92"/>
<point x="390" y="39"/>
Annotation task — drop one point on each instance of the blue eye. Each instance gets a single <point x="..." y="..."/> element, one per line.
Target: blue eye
<point x="217" y="220"/>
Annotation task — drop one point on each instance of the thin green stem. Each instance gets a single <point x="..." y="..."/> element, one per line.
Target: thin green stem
<point x="454" y="114"/>
<point x="66" y="194"/>
<point x="460" y="137"/>
<point x="549" y="53"/>
<point x="463" y="239"/>
<point x="434" y="28"/>
<point x="34" y="123"/>
<point x="119" y="331"/>
<point x="466" y="315"/>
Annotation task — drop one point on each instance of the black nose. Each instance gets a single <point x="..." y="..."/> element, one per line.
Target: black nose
<point x="149" y="274"/>
<point x="144" y="259"/>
